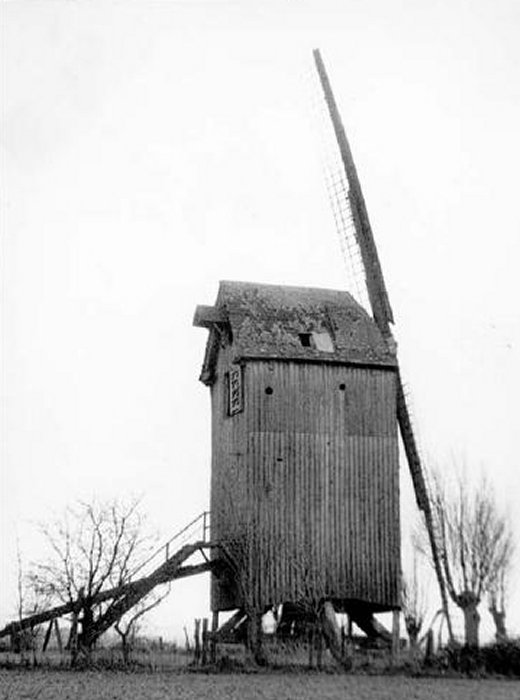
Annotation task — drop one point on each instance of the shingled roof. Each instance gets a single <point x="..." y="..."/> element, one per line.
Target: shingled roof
<point x="277" y="322"/>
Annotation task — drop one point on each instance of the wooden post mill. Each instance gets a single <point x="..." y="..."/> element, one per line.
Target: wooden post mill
<point x="307" y="403"/>
<point x="304" y="484"/>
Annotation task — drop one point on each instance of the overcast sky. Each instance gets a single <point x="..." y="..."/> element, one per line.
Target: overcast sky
<point x="152" y="149"/>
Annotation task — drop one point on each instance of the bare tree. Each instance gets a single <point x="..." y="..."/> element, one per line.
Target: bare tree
<point x="128" y="626"/>
<point x="94" y="546"/>
<point x="414" y="607"/>
<point x="473" y="538"/>
<point x="497" y="593"/>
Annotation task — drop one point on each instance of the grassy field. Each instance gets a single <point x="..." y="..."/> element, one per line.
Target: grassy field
<point x="108" y="685"/>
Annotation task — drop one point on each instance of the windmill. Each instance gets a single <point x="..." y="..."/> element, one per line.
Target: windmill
<point x="353" y="224"/>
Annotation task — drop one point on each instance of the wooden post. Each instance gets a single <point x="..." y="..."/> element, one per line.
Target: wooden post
<point x="205" y="641"/>
<point x="254" y="636"/>
<point x="310" y="638"/>
<point x="58" y="635"/>
<point x="47" y="637"/>
<point x="213" y="639"/>
<point x="349" y="627"/>
<point x="196" y="656"/>
<point x="429" y="653"/>
<point x="188" y="645"/>
<point x="319" y="647"/>
<point x="395" y="636"/>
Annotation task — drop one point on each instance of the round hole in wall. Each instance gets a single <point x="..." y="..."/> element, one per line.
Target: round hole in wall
<point x="342" y="387"/>
<point x="269" y="390"/>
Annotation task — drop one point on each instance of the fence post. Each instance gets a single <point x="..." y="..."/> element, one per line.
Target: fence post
<point x="319" y="644"/>
<point x="213" y="638"/>
<point x="197" y="642"/>
<point x="310" y="637"/>
<point x="428" y="657"/>
<point x="205" y="641"/>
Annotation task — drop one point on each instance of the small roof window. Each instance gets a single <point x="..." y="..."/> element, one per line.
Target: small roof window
<point x="323" y="342"/>
<point x="319" y="341"/>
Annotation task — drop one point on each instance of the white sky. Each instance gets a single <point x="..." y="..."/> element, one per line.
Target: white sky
<point x="154" y="148"/>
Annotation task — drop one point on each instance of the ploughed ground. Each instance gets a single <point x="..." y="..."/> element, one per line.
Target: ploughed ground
<point x="113" y="685"/>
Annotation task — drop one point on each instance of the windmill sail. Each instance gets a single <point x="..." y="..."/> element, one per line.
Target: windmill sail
<point x="375" y="283"/>
<point x="350" y="202"/>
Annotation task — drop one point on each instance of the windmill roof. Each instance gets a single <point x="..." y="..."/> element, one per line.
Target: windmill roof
<point x="266" y="321"/>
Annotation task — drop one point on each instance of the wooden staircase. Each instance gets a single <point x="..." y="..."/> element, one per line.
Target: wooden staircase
<point x="124" y="597"/>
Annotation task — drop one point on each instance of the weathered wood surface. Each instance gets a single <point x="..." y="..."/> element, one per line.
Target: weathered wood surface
<point x="309" y="473"/>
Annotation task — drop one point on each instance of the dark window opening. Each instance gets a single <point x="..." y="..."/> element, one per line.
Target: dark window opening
<point x="321" y="341"/>
<point x="269" y="390"/>
<point x="342" y="387"/>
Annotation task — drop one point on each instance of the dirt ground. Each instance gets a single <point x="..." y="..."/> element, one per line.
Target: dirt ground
<point x="93" y="685"/>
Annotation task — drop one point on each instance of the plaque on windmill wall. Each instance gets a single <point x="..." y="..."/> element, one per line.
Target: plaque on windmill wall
<point x="235" y="394"/>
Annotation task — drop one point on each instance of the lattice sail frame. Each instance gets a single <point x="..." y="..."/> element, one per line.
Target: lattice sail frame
<point x="338" y="189"/>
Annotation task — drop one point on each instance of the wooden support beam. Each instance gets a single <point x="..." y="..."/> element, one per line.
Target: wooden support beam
<point x="73" y="634"/>
<point x="230" y="625"/>
<point x="396" y="637"/>
<point x="58" y="635"/>
<point x="206" y="316"/>
<point x="47" y="637"/>
<point x="167" y="571"/>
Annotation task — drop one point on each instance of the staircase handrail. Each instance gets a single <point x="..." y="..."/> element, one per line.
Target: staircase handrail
<point x="204" y="516"/>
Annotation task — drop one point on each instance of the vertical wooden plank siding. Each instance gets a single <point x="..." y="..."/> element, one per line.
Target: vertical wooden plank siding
<point x="229" y="479"/>
<point x="316" y="467"/>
